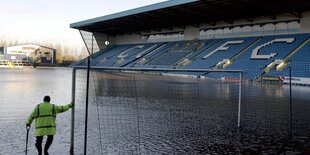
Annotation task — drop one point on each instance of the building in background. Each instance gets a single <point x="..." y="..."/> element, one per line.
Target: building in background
<point x="27" y="54"/>
<point x="1" y="53"/>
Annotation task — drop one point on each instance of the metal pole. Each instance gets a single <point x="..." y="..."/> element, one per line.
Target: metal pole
<point x="86" y="109"/>
<point x="72" y="111"/>
<point x="26" y="151"/>
<point x="291" y="106"/>
<point x="239" y="104"/>
<point x="87" y="92"/>
<point x="157" y="69"/>
<point x="138" y="121"/>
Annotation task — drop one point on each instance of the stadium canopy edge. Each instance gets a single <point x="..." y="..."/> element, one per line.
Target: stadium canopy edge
<point x="139" y="10"/>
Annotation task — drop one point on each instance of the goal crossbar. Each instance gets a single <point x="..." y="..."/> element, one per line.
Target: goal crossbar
<point x="156" y="69"/>
<point x="99" y="68"/>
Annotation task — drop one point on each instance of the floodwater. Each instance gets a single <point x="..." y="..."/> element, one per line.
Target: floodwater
<point x="149" y="114"/>
<point x="21" y="90"/>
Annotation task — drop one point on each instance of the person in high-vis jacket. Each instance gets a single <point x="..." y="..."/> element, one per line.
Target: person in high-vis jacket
<point x="44" y="115"/>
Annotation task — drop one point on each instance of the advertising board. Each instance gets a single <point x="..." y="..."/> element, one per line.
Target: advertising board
<point x="296" y="80"/>
<point x="22" y="49"/>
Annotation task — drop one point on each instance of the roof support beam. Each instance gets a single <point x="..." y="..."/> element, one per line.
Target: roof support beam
<point x="211" y="23"/>
<point x="137" y="32"/>
<point x="273" y="17"/>
<point x="147" y="31"/>
<point x="211" y="12"/>
<point x="196" y="25"/>
<point x="165" y="20"/>
<point x="296" y="14"/>
<point x="228" y="21"/>
<point x="157" y="29"/>
<point x="170" y="28"/>
<point x="250" y="19"/>
<point x="262" y="9"/>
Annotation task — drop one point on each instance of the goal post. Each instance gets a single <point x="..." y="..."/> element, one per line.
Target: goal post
<point x="238" y="78"/>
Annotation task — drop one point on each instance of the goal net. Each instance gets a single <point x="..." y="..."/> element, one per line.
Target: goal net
<point x="134" y="113"/>
<point x="168" y="112"/>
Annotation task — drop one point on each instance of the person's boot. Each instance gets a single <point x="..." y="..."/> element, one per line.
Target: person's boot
<point x="39" y="148"/>
<point x="46" y="152"/>
<point x="39" y="145"/>
<point x="48" y="143"/>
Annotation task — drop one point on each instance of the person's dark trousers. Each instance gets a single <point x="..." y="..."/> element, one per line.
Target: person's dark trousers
<point x="48" y="143"/>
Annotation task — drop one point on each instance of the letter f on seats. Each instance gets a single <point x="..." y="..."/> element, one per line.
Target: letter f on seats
<point x="223" y="47"/>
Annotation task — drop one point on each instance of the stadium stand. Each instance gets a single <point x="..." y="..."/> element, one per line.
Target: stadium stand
<point x="250" y="54"/>
<point x="278" y="50"/>
<point x="259" y="40"/>
<point x="216" y="53"/>
<point x="299" y="63"/>
<point x="193" y="34"/>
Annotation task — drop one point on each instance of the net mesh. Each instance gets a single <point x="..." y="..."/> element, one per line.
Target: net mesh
<point x="151" y="114"/>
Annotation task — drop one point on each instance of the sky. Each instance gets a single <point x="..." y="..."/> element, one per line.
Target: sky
<point x="49" y="20"/>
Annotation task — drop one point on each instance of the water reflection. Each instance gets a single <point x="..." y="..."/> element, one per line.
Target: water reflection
<point x="147" y="114"/>
<point x="21" y="90"/>
<point x="168" y="115"/>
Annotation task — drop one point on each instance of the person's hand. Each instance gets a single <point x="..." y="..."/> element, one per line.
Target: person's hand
<point x="27" y="126"/>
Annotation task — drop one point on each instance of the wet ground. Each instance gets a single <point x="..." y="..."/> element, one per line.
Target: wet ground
<point x="148" y="114"/>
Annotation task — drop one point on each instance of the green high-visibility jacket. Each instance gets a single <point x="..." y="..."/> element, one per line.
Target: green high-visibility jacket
<point x="44" y="115"/>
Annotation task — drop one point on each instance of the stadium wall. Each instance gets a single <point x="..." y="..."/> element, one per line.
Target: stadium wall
<point x="128" y="39"/>
<point x="191" y="33"/>
<point x="238" y="28"/>
<point x="259" y="20"/>
<point x="305" y="22"/>
<point x="102" y="38"/>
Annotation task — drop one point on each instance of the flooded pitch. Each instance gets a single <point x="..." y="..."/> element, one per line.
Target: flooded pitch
<point x="148" y="114"/>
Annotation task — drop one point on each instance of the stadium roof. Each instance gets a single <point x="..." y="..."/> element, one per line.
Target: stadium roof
<point x="190" y="12"/>
<point x="27" y="44"/>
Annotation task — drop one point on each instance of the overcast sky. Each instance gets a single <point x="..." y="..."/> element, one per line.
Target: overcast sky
<point x="48" y="20"/>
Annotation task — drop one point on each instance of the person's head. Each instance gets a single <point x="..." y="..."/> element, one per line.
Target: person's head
<point x="47" y="99"/>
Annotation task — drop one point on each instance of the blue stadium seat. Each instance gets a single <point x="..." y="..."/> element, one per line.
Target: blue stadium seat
<point x="299" y="62"/>
<point x="212" y="60"/>
<point x="253" y="67"/>
<point x="206" y="54"/>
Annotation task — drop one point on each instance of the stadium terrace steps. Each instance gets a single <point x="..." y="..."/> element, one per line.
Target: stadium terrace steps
<point x="176" y="46"/>
<point x="250" y="54"/>
<point x="178" y="52"/>
<point x="253" y="67"/>
<point x="208" y="44"/>
<point x="169" y="58"/>
<point x="235" y="57"/>
<point x="154" y="55"/>
<point x="273" y="65"/>
<point x="124" y="56"/>
<point x="299" y="62"/>
<point x="141" y="58"/>
<point x="136" y="57"/>
<point x="225" y="49"/>
<point x="108" y="55"/>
